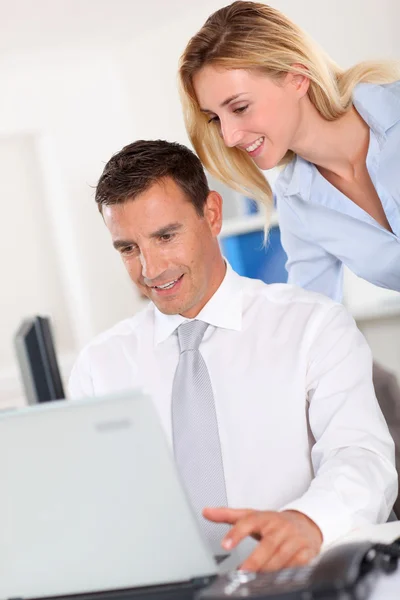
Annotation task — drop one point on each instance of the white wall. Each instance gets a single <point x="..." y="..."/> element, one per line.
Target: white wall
<point x="65" y="110"/>
<point x="74" y="114"/>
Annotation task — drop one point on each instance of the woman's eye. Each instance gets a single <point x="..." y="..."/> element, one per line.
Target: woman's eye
<point x="213" y="120"/>
<point x="241" y="109"/>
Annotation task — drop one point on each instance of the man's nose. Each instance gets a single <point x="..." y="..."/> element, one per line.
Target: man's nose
<point x="151" y="264"/>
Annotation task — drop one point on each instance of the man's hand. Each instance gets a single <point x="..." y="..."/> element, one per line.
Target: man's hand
<point x="286" y="539"/>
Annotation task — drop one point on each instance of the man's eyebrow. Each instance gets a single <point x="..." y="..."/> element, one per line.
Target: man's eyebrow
<point x="171" y="228"/>
<point x="122" y="244"/>
<point x="224" y="103"/>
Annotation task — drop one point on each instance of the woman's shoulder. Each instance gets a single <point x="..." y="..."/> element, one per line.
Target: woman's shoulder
<point x="393" y="86"/>
<point x="379" y="106"/>
<point x="393" y="89"/>
<point x="377" y="95"/>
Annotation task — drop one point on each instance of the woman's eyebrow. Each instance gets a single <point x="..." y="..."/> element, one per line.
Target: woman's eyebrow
<point x="231" y="99"/>
<point x="224" y="103"/>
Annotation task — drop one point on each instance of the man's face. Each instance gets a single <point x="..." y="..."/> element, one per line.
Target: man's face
<point x="170" y="252"/>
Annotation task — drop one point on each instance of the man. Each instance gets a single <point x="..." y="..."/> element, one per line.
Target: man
<point x="264" y="391"/>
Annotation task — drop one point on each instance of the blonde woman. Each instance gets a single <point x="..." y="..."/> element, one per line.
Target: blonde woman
<point x="257" y="93"/>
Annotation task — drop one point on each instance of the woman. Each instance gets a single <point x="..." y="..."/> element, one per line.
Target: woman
<point x="258" y="93"/>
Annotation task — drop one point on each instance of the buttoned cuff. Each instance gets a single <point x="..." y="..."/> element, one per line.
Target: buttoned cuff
<point x="333" y="520"/>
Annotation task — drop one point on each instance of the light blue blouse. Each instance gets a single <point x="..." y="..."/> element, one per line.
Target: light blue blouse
<point x="322" y="229"/>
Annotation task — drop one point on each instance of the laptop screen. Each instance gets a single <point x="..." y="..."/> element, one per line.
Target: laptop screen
<point x="91" y="501"/>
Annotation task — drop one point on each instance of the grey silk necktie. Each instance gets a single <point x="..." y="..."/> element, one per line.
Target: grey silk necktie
<point x="195" y="431"/>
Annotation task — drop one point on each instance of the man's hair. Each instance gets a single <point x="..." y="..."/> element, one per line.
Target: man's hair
<point x="140" y="165"/>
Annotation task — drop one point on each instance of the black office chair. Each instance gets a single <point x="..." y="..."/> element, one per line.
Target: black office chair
<point x="387" y="391"/>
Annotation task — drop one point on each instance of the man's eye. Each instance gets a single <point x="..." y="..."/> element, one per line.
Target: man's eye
<point x="128" y="249"/>
<point x="166" y="237"/>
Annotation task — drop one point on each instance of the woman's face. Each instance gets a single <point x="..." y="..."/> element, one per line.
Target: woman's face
<point x="253" y="112"/>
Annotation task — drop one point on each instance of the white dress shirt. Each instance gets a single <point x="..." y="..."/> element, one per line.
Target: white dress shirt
<point x="299" y="423"/>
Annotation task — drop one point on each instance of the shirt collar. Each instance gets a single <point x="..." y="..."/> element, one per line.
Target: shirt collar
<point x="224" y="309"/>
<point x="300" y="178"/>
<point x="378" y="105"/>
<point x="380" y="109"/>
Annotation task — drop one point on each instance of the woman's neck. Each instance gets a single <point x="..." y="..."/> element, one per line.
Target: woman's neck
<point x="339" y="146"/>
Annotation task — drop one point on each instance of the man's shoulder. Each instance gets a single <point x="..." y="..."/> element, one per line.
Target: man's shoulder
<point x="107" y="363"/>
<point x="286" y="295"/>
<point x="295" y="309"/>
<point x="130" y="328"/>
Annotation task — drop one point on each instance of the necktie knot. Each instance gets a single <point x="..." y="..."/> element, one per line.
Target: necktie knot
<point x="190" y="335"/>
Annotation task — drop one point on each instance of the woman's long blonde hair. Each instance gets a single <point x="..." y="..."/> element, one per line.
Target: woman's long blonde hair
<point x="250" y="35"/>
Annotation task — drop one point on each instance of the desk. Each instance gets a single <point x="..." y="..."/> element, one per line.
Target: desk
<point x="388" y="586"/>
<point x="384" y="533"/>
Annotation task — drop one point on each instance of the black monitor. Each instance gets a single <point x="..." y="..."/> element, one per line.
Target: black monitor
<point x="37" y="361"/>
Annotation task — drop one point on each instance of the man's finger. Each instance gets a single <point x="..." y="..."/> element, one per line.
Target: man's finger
<point x="255" y="524"/>
<point x="265" y="550"/>
<point x="302" y="557"/>
<point x="284" y="554"/>
<point x="225" y="515"/>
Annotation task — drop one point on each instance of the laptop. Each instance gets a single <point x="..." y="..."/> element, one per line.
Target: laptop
<point x="91" y="503"/>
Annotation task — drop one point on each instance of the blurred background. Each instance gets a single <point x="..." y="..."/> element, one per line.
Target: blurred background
<point x="78" y="80"/>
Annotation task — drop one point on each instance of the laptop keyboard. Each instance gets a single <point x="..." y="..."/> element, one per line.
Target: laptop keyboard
<point x="219" y="558"/>
<point x="176" y="591"/>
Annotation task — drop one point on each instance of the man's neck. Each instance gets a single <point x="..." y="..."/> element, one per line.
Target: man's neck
<point x="218" y="276"/>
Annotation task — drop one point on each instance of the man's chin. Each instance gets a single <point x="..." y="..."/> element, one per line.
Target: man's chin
<point x="169" y="308"/>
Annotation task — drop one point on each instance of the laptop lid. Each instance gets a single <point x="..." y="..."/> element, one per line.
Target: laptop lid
<point x="91" y="501"/>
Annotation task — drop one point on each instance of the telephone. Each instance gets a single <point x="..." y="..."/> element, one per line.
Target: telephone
<point x="342" y="573"/>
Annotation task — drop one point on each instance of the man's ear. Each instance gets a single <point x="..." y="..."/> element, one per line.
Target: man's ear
<point x="213" y="212"/>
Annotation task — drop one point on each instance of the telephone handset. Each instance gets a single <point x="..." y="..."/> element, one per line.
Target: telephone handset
<point x="346" y="571"/>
